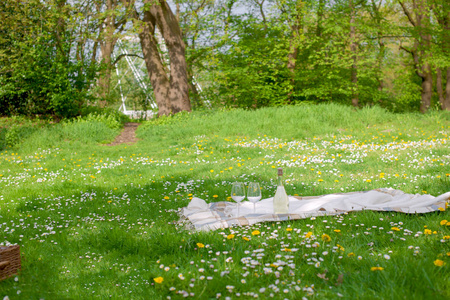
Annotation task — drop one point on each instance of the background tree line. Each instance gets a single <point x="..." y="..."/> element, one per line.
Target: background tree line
<point x="58" y="56"/>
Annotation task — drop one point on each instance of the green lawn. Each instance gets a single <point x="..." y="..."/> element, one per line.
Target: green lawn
<point x="102" y="222"/>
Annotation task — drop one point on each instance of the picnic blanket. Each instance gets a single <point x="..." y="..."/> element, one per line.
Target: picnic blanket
<point x="212" y="216"/>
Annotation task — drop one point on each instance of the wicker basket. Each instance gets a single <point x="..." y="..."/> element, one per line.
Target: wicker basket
<point x="9" y="261"/>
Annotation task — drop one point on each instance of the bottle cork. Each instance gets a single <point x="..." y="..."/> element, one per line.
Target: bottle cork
<point x="280" y="172"/>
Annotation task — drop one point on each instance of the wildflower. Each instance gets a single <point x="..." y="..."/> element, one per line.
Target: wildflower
<point x="443" y="222"/>
<point x="255" y="232"/>
<point x="337" y="230"/>
<point x="230" y="236"/>
<point x="289" y="229"/>
<point x="376" y="269"/>
<point x="215" y="196"/>
<point x="395" y="229"/>
<point x="166" y="197"/>
<point x="308" y="234"/>
<point x="427" y="231"/>
<point x="439" y="263"/>
<point x="158" y="279"/>
<point x="200" y="245"/>
<point x="340" y="247"/>
<point x="245" y="238"/>
<point x="446" y="237"/>
<point x="326" y="237"/>
<point x="351" y="254"/>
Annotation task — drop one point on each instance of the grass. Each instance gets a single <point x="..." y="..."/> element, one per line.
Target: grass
<point x="101" y="222"/>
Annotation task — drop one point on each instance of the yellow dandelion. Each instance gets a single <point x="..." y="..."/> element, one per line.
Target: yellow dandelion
<point x="158" y="279"/>
<point x="308" y="234"/>
<point x="340" y="247"/>
<point x="166" y="197"/>
<point x="337" y="230"/>
<point x="215" y="196"/>
<point x="427" y="231"/>
<point x="441" y="209"/>
<point x="230" y="236"/>
<point x="326" y="238"/>
<point x="446" y="237"/>
<point x="255" y="232"/>
<point x="212" y="171"/>
<point x="376" y="269"/>
<point x="245" y="238"/>
<point x="439" y="263"/>
<point x="200" y="245"/>
<point x="351" y="254"/>
<point x="289" y="229"/>
<point x="395" y="229"/>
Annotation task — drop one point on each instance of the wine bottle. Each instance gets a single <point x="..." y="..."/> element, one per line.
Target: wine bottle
<point x="280" y="200"/>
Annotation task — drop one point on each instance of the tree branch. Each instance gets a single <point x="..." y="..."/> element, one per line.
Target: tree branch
<point x="122" y="55"/>
<point x="407" y="13"/>
<point x="407" y="50"/>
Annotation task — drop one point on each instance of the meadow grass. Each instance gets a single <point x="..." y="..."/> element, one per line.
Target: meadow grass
<point x="102" y="222"/>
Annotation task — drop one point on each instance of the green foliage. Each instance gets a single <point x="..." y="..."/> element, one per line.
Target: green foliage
<point x="38" y="76"/>
<point x="92" y="128"/>
<point x="252" y="72"/>
<point x="111" y="118"/>
<point x="15" y="130"/>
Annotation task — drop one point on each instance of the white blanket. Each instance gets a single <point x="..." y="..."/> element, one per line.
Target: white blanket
<point x="204" y="216"/>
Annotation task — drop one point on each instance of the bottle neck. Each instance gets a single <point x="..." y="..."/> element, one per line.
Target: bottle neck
<point x="280" y="181"/>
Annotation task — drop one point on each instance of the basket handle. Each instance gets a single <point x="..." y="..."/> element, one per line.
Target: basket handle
<point x="4" y="264"/>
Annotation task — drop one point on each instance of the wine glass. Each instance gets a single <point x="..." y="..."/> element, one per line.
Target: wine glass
<point x="238" y="193"/>
<point x="254" y="194"/>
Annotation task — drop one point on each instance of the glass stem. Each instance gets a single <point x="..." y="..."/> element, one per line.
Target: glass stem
<point x="238" y="209"/>
<point x="254" y="207"/>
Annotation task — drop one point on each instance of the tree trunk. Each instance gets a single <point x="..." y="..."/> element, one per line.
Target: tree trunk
<point x="427" y="89"/>
<point x="353" y="50"/>
<point x="446" y="105"/>
<point x="194" y="95"/>
<point x="320" y="10"/>
<point x="107" y="45"/>
<point x="171" y="92"/>
<point x="419" y="18"/>
<point x="104" y="79"/>
<point x="297" y="32"/>
<point x="439" y="90"/>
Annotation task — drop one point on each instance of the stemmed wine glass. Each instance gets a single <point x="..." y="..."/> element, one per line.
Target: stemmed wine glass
<point x="238" y="193"/>
<point x="254" y="194"/>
